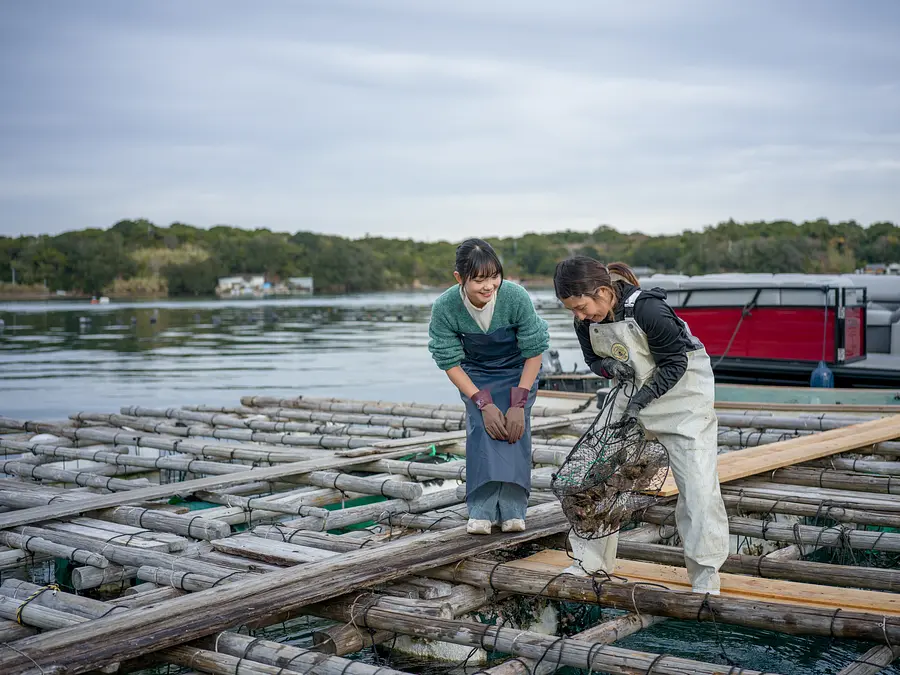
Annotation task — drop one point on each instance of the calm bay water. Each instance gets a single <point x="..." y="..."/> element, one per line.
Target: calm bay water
<point x="63" y="357"/>
<point x="59" y="358"/>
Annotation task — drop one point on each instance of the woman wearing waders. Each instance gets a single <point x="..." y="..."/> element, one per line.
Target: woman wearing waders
<point x="629" y="333"/>
<point x="485" y="334"/>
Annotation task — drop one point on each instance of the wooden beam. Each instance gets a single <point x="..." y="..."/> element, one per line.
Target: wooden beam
<point x="735" y="585"/>
<point x="763" y="458"/>
<point x="130" y="634"/>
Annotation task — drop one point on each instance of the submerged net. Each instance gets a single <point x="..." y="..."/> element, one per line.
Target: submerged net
<point x="612" y="475"/>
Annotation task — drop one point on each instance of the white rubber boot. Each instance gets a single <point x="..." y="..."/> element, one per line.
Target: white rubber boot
<point x="478" y="526"/>
<point x="513" y="525"/>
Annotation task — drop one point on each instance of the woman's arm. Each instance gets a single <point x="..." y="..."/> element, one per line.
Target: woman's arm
<point x="530" y="372"/>
<point x="462" y="381"/>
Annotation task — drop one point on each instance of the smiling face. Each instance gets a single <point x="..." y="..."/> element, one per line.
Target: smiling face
<point x="480" y="290"/>
<point x="592" y="307"/>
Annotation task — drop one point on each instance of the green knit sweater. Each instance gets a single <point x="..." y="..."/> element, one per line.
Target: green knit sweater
<point x="450" y="318"/>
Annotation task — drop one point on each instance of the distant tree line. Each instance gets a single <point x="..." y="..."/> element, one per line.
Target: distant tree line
<point x="136" y="257"/>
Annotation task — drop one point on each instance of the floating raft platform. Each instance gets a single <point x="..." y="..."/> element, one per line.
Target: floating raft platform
<point x="148" y="538"/>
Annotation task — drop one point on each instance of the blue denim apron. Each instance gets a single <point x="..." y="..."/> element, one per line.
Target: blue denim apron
<point x="493" y="362"/>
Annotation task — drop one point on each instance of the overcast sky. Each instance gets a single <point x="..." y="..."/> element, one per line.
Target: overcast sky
<point x="439" y="119"/>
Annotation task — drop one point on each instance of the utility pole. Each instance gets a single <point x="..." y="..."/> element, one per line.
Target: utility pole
<point x="13" y="267"/>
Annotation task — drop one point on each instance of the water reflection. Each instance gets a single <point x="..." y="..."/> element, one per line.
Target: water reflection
<point x="59" y="358"/>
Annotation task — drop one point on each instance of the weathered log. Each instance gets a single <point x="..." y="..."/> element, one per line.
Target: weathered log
<point x="165" y="624"/>
<point x="153" y="597"/>
<point x="10" y="630"/>
<point x="872" y="662"/>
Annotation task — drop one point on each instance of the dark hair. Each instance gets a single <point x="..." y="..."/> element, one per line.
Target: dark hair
<point x="476" y="259"/>
<point x="582" y="275"/>
<point x="624" y="271"/>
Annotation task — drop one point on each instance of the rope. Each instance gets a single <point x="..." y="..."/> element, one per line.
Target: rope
<point x="42" y="589"/>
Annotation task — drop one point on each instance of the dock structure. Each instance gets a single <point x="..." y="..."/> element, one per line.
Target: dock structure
<point x="165" y="532"/>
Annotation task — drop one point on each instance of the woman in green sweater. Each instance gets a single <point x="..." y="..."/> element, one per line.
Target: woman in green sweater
<point x="485" y="334"/>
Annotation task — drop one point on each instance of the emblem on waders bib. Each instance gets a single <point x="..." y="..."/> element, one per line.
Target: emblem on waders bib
<point x="619" y="352"/>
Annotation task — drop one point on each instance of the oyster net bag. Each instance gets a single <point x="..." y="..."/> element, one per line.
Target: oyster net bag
<point x="611" y="476"/>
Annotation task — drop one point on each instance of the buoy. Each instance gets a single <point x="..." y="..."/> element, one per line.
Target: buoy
<point x="822" y="377"/>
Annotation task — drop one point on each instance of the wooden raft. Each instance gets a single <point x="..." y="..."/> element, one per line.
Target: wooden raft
<point x="764" y="458"/>
<point x="734" y="585"/>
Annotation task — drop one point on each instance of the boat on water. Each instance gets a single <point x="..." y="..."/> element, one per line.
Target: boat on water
<point x="776" y="329"/>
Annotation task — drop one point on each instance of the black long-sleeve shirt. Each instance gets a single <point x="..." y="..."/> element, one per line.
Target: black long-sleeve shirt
<point x="667" y="338"/>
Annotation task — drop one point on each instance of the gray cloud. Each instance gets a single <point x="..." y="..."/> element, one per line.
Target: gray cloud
<point x="439" y="120"/>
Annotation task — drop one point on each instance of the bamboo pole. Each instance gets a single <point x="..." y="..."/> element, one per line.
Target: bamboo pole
<point x="202" y="431"/>
<point x="348" y="639"/>
<point x="772" y="567"/>
<point x="221" y="664"/>
<point x="647" y="599"/>
<point x="743" y="504"/>
<point x="828" y="478"/>
<point x="606" y="633"/>
<point x="795" y="533"/>
<point x="379" y="511"/>
<point x="803" y="494"/>
<point x="757" y="420"/>
<point x="386" y="486"/>
<point x="39" y="545"/>
<point x="391" y="448"/>
<point x="284" y="656"/>
<point x="219" y="420"/>
<point x="445" y="411"/>
<point x="128" y="556"/>
<point x="536" y="646"/>
<point x="57" y="600"/>
<point x="859" y="465"/>
<point x="419" y="423"/>
<point x="80" y="478"/>
<point x="186" y="525"/>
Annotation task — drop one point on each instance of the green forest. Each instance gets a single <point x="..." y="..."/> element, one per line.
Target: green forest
<point x="138" y="258"/>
